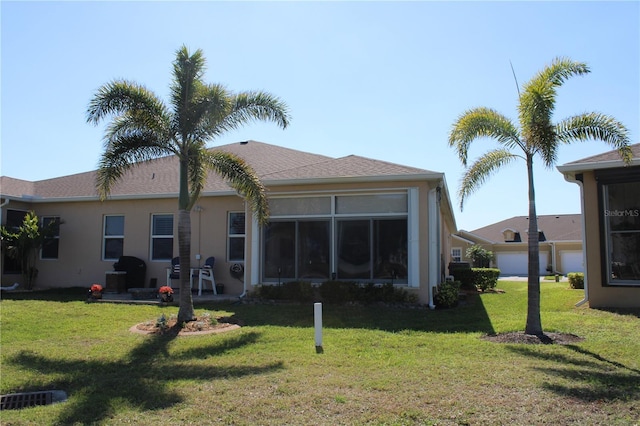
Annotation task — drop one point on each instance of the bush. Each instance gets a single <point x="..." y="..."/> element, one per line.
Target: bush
<point x="447" y="294"/>
<point x="462" y="272"/>
<point x="485" y="278"/>
<point x="336" y="292"/>
<point x="576" y="279"/>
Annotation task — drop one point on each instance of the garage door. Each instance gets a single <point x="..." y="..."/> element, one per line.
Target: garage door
<point x="571" y="261"/>
<point x="517" y="263"/>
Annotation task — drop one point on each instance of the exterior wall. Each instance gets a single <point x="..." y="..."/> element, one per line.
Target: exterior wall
<point x="80" y="260"/>
<point x="600" y="296"/>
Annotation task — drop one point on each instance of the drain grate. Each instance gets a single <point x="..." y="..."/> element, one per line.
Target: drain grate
<point x="16" y="401"/>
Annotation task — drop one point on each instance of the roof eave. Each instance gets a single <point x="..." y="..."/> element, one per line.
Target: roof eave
<point x="596" y="165"/>
<point x="352" y="179"/>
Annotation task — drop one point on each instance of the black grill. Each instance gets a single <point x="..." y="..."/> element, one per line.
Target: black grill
<point x="16" y="401"/>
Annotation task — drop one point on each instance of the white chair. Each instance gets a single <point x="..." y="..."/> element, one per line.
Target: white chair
<point x="206" y="274"/>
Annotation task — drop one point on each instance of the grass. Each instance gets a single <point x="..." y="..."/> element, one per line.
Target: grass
<point x="380" y="366"/>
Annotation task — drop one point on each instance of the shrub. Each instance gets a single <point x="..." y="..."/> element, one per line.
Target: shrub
<point x="576" y="279"/>
<point x="299" y="291"/>
<point x="481" y="257"/>
<point x="447" y="294"/>
<point x="485" y="278"/>
<point x="334" y="291"/>
<point x="462" y="272"/>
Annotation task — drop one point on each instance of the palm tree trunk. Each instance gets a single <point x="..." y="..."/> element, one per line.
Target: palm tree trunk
<point x="185" y="312"/>
<point x="534" y="324"/>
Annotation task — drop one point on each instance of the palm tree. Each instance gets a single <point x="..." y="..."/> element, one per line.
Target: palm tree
<point x="536" y="135"/>
<point x="143" y="127"/>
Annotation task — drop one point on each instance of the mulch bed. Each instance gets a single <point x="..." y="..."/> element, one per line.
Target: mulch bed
<point x="519" y="337"/>
<point x="200" y="326"/>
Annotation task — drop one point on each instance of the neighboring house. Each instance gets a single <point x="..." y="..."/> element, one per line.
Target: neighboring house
<point x="560" y="238"/>
<point x="610" y="194"/>
<point x="349" y="218"/>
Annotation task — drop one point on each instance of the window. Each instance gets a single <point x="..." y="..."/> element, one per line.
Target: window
<point x="51" y="225"/>
<point x="297" y="249"/>
<point x="162" y="237"/>
<point x="456" y="254"/>
<point x="236" y="237"/>
<point x="113" y="237"/>
<point x="348" y="236"/>
<point x="622" y="231"/>
<point x="372" y="249"/>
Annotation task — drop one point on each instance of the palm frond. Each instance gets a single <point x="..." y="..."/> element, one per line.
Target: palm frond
<point x="197" y="171"/>
<point x="251" y="106"/>
<point x="119" y="97"/>
<point x="121" y="154"/>
<point x="482" y="122"/>
<point x="188" y="70"/>
<point x="242" y="178"/>
<point x="596" y="126"/>
<point x="483" y="168"/>
<point x="213" y="104"/>
<point x="537" y="104"/>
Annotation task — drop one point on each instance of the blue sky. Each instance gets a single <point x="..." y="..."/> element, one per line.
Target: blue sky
<point x="384" y="80"/>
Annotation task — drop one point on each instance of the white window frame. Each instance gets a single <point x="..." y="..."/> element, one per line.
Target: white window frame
<point x="164" y="236"/>
<point x="106" y="237"/>
<point x="231" y="236"/>
<point x="453" y="255"/>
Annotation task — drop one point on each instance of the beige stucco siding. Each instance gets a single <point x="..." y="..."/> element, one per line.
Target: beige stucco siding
<point x="80" y="260"/>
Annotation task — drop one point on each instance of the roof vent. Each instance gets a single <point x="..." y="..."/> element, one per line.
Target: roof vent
<point x="244" y="142"/>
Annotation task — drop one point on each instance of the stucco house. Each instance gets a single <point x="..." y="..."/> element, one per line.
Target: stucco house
<point x="610" y="198"/>
<point x="560" y="238"/>
<point x="351" y="218"/>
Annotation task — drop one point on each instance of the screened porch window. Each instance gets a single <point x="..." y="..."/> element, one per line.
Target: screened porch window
<point x="372" y="249"/>
<point x="350" y="237"/>
<point x="297" y="249"/>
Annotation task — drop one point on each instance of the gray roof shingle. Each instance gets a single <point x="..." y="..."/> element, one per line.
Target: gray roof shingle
<point x="159" y="177"/>
<point x="566" y="227"/>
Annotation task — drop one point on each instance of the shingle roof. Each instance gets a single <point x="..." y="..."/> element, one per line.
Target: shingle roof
<point x="567" y="227"/>
<point x="612" y="155"/>
<point x="159" y="177"/>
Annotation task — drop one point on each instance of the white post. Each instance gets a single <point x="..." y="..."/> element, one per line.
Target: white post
<point x="317" y="315"/>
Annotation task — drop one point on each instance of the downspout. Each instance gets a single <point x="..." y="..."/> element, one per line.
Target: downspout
<point x="578" y="180"/>
<point x="246" y="250"/>
<point x="433" y="244"/>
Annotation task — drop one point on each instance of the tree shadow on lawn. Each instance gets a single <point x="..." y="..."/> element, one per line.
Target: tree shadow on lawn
<point x="469" y="316"/>
<point x="593" y="378"/>
<point x="141" y="379"/>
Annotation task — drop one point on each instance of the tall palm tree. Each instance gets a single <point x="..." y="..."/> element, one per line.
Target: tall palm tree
<point x="536" y="135"/>
<point x="143" y="127"/>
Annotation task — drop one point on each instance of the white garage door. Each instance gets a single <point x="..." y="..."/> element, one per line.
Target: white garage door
<point x="571" y="261"/>
<point x="517" y="263"/>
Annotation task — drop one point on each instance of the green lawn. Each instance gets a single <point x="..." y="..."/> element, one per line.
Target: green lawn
<point x="380" y="366"/>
